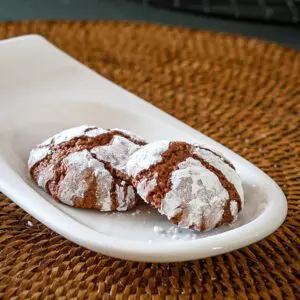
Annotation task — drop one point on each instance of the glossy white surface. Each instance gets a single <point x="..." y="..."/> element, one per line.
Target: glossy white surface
<point x="43" y="91"/>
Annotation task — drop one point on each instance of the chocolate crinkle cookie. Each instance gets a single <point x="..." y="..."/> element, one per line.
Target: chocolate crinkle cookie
<point x="85" y="167"/>
<point x="195" y="187"/>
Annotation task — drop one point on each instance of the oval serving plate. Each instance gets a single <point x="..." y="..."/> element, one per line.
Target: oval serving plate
<point x="43" y="91"/>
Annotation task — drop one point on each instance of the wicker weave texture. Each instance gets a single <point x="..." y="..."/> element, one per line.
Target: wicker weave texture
<point x="242" y="92"/>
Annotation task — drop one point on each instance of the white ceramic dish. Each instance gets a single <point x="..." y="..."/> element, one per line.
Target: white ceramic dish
<point x="42" y="91"/>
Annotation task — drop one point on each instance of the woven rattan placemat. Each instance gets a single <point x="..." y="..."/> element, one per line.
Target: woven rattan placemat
<point x="242" y="92"/>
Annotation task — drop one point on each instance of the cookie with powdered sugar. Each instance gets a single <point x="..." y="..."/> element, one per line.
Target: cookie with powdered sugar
<point x="85" y="167"/>
<point x="195" y="187"/>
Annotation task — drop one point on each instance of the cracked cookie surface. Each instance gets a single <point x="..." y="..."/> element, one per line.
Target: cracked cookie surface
<point x="194" y="186"/>
<point x="85" y="167"/>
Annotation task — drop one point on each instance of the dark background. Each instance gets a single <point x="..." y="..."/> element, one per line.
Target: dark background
<point x="288" y="35"/>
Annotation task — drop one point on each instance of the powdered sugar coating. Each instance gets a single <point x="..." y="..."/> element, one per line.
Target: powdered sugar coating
<point x="45" y="176"/>
<point x="129" y="133"/>
<point x="95" y="131"/>
<point x="234" y="209"/>
<point x="149" y="155"/>
<point x="75" y="132"/>
<point x="38" y="154"/>
<point x="218" y="162"/>
<point x="197" y="194"/>
<point x="131" y="195"/>
<point x="120" y="194"/>
<point x="82" y="171"/>
<point x="117" y="152"/>
<point x="145" y="186"/>
<point x="125" y="196"/>
<point x="42" y="150"/>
